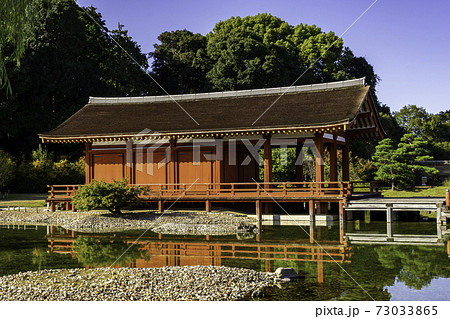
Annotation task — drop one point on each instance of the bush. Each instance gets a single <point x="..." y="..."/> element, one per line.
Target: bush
<point x="33" y="176"/>
<point x="65" y="172"/>
<point x="112" y="196"/>
<point x="7" y="169"/>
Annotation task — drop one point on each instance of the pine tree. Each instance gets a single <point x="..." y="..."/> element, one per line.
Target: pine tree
<point x="399" y="165"/>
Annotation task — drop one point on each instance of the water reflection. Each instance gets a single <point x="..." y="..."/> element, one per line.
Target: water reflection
<point x="355" y="261"/>
<point x="363" y="260"/>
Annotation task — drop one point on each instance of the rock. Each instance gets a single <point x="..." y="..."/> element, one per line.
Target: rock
<point x="286" y="274"/>
<point x="258" y="293"/>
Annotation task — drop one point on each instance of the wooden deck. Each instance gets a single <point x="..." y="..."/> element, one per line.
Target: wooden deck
<point x="234" y="192"/>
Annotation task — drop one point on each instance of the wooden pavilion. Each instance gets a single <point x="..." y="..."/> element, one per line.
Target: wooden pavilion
<point x="204" y="147"/>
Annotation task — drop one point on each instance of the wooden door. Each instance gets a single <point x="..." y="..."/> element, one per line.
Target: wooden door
<point x="108" y="166"/>
<point x="150" y="169"/>
<point x="188" y="172"/>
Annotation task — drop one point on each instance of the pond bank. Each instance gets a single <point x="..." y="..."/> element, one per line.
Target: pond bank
<point x="117" y="284"/>
<point x="170" y="222"/>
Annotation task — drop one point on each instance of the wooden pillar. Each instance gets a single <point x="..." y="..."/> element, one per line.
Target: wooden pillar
<point x="341" y="211"/>
<point x="318" y="141"/>
<point x="333" y="161"/>
<point x="311" y="211"/>
<point x="311" y="232"/>
<point x="129" y="162"/>
<point x="345" y="162"/>
<point x="208" y="206"/>
<point x="160" y="206"/>
<point x="448" y="247"/>
<point x="389" y="213"/>
<point x="389" y="231"/>
<point x="439" y="215"/>
<point x="319" y="265"/>
<point x="172" y="174"/>
<point x="267" y="169"/>
<point x="267" y="160"/>
<point x="88" y="162"/>
<point x="298" y="167"/>
<point x="258" y="210"/>
<point x="322" y="207"/>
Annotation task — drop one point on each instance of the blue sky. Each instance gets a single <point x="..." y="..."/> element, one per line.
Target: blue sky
<point x="407" y="42"/>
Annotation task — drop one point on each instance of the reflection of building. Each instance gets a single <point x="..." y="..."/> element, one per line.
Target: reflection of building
<point x="216" y="251"/>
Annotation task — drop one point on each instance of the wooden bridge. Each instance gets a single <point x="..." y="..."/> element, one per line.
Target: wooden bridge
<point x="395" y="204"/>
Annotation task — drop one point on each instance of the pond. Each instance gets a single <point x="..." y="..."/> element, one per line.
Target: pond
<point x="351" y="261"/>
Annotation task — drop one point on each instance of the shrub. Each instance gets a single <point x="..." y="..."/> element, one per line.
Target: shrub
<point x="7" y="169"/>
<point x="65" y="172"/>
<point x="112" y="196"/>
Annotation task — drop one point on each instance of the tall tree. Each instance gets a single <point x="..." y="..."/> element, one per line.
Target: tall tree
<point x="180" y="62"/>
<point x="399" y="165"/>
<point x="254" y="52"/>
<point x="69" y="58"/>
<point x="16" y="25"/>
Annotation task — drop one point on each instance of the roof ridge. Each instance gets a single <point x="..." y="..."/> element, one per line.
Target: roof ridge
<point x="228" y="94"/>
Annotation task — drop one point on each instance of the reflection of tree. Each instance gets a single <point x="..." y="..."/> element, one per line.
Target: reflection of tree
<point x="415" y="265"/>
<point x="39" y="257"/>
<point x="101" y="252"/>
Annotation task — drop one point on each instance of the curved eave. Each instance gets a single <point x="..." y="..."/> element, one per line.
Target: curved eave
<point x="329" y="128"/>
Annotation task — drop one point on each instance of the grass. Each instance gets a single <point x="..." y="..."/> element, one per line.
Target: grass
<point x="24" y="200"/>
<point x="437" y="191"/>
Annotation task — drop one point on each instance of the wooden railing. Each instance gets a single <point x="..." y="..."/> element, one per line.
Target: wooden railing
<point x="246" y="190"/>
<point x="231" y="191"/>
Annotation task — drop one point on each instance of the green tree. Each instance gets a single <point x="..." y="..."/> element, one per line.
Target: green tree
<point x="69" y="58"/>
<point x="7" y="169"/>
<point x="412" y="119"/>
<point x="112" y="196"/>
<point x="399" y="165"/>
<point x="384" y="160"/>
<point x="180" y="62"/>
<point x="254" y="52"/>
<point x="412" y="150"/>
<point x="16" y="25"/>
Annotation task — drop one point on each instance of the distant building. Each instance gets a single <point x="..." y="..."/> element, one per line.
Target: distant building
<point x="443" y="166"/>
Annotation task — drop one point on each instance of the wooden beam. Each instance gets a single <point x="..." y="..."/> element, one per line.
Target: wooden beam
<point x="318" y="141"/>
<point x="311" y="211"/>
<point x="332" y="147"/>
<point x="267" y="169"/>
<point x="171" y="168"/>
<point x="298" y="167"/>
<point x="258" y="210"/>
<point x="88" y="162"/>
<point x="267" y="160"/>
<point x="129" y="160"/>
<point x="341" y="211"/>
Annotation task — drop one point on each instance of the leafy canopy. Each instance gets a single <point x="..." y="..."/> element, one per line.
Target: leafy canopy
<point x="253" y="52"/>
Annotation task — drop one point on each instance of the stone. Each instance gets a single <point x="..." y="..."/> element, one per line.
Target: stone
<point x="286" y="274"/>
